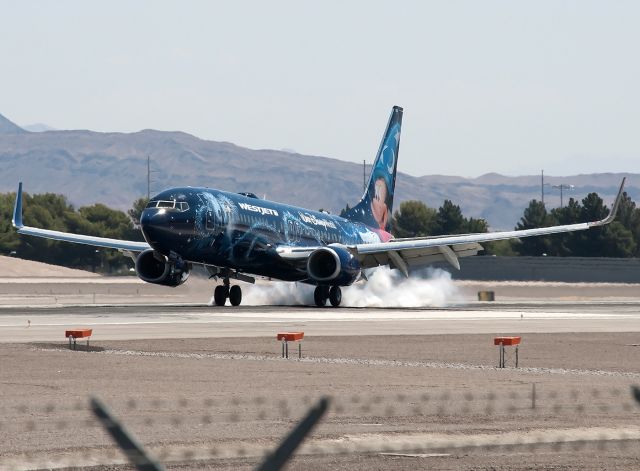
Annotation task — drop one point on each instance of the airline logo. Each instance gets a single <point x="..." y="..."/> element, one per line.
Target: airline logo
<point x="311" y="219"/>
<point x="258" y="209"/>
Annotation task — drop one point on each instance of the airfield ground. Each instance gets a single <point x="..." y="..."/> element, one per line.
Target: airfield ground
<point x="205" y="388"/>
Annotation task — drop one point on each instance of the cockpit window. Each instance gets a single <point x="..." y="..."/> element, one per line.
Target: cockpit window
<point x="179" y="205"/>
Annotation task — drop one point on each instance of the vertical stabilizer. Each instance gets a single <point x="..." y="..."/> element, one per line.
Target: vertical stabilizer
<point x="376" y="206"/>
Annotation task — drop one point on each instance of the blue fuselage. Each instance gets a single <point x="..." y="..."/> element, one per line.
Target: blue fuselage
<point x="242" y="232"/>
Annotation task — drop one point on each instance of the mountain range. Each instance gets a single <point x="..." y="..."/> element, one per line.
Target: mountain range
<point x="111" y="168"/>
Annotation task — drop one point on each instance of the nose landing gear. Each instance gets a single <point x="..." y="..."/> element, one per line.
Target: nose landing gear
<point x="322" y="293"/>
<point x="224" y="291"/>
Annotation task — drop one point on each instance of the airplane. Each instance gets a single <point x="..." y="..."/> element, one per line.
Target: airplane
<point x="238" y="236"/>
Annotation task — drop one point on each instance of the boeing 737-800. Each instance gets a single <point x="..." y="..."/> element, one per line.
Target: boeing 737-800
<point x="238" y="236"/>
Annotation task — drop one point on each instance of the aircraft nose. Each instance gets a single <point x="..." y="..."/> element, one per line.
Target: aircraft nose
<point x="164" y="224"/>
<point x="153" y="216"/>
<point x="152" y="221"/>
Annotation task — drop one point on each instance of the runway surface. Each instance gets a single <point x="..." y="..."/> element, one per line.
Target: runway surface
<point x="27" y="324"/>
<point x="400" y="402"/>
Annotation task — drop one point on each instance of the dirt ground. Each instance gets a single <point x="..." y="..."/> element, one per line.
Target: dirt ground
<point x="17" y="267"/>
<point x="397" y="402"/>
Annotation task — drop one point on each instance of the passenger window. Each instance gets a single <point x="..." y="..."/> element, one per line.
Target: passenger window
<point x="210" y="221"/>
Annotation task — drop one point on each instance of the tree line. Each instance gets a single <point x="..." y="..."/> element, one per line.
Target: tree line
<point x="621" y="238"/>
<point x="52" y="211"/>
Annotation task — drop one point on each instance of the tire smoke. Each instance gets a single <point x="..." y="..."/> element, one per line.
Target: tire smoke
<point x="385" y="288"/>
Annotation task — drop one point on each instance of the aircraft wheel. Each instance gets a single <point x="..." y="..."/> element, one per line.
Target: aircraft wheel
<point x="335" y="296"/>
<point x="235" y="295"/>
<point x="220" y="295"/>
<point x="320" y="296"/>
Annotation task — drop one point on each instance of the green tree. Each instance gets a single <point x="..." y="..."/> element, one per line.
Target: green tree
<point x="626" y="211"/>
<point x="590" y="243"/>
<point x="51" y="211"/>
<point x="502" y="248"/>
<point x="9" y="240"/>
<point x="47" y="211"/>
<point x="535" y="215"/>
<point x="565" y="245"/>
<point x="136" y="210"/>
<point x="450" y="220"/>
<point x="475" y="226"/>
<point x="106" y="222"/>
<point x="629" y="216"/>
<point x="414" y="219"/>
<point x="618" y="241"/>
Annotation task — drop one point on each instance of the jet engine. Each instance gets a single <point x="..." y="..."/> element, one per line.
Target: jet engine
<point x="153" y="267"/>
<point x="333" y="265"/>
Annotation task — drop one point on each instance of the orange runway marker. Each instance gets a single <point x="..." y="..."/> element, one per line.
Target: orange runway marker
<point x="75" y="334"/>
<point x="286" y="337"/>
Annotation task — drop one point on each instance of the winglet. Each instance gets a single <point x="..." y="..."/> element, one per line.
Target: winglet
<point x="17" y="209"/>
<point x="614" y="208"/>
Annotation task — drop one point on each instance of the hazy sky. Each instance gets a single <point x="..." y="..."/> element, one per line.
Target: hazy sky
<point x="487" y="86"/>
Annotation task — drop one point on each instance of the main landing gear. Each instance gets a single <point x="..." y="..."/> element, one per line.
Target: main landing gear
<point x="322" y="293"/>
<point x="224" y="291"/>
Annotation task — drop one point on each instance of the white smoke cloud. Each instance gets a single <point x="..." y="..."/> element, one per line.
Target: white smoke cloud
<point x="385" y="288"/>
<point x="280" y="293"/>
<point x="389" y="288"/>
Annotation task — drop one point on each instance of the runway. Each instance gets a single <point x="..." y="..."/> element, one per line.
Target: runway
<point x="205" y="387"/>
<point x="28" y="324"/>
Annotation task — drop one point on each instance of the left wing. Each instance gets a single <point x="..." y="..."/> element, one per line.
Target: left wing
<point x="122" y="245"/>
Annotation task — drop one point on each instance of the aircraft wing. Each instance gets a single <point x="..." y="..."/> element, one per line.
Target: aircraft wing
<point x="406" y="253"/>
<point x="122" y="245"/>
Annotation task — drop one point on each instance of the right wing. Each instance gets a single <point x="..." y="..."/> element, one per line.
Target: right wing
<point x="122" y="245"/>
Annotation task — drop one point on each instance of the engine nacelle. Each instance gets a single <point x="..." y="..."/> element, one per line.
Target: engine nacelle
<point x="153" y="267"/>
<point x="333" y="265"/>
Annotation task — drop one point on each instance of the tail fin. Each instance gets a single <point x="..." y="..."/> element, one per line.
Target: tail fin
<point x="376" y="206"/>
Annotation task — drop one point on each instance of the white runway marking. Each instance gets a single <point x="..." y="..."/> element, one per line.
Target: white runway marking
<point x="142" y="322"/>
<point x="200" y="317"/>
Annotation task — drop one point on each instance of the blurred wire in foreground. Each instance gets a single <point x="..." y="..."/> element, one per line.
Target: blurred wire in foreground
<point x="139" y="458"/>
<point x="129" y="445"/>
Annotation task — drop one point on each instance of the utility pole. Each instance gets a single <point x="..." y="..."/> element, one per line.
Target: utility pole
<point x="364" y="175"/>
<point x="148" y="177"/>
<point x="563" y="187"/>
<point x="542" y="187"/>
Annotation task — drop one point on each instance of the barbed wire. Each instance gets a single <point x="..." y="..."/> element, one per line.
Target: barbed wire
<point x="561" y="419"/>
<point x="500" y="400"/>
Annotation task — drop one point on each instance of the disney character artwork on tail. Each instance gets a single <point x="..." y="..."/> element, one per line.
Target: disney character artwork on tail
<point x="376" y="206"/>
